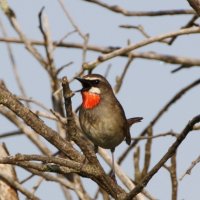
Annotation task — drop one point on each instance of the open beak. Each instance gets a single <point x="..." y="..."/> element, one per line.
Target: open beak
<point x="85" y="83"/>
<point x="82" y="80"/>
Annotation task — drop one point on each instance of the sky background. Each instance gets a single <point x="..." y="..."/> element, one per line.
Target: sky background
<point x="147" y="87"/>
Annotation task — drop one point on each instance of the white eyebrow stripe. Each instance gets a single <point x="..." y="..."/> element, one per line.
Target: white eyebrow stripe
<point x="91" y="78"/>
<point x="95" y="90"/>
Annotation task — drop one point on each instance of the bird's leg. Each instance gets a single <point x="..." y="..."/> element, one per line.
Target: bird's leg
<point x="113" y="166"/>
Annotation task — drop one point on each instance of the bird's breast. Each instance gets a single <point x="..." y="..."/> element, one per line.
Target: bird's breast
<point x="90" y="100"/>
<point x="102" y="129"/>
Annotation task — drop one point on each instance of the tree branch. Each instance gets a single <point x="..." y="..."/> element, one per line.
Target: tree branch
<point x="118" y="9"/>
<point x="171" y="151"/>
<point x="105" y="57"/>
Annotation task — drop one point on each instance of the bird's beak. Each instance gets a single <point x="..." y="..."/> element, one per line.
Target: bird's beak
<point x="85" y="83"/>
<point x="80" y="79"/>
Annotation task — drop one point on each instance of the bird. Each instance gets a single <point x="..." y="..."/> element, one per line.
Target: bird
<point x="101" y="116"/>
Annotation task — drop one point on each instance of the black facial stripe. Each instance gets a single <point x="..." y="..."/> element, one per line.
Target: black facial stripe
<point x="94" y="82"/>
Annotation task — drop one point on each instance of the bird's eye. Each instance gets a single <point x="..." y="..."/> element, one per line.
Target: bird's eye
<point x="95" y="82"/>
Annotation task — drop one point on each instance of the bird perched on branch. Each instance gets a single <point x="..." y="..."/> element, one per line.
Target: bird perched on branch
<point x="101" y="116"/>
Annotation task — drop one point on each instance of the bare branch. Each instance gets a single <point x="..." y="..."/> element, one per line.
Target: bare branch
<point x="19" y="187"/>
<point x="119" y="80"/>
<point x="170" y="133"/>
<point x="174" y="99"/>
<point x="13" y="62"/>
<point x="173" y="175"/>
<point x="146" y="55"/>
<point x="189" y="170"/>
<point x="171" y="151"/>
<point x="12" y="18"/>
<point x="145" y="42"/>
<point x="10" y="134"/>
<point x="118" y="9"/>
<point x="32" y="120"/>
<point x="6" y="190"/>
<point x="24" y="129"/>
<point x="195" y="4"/>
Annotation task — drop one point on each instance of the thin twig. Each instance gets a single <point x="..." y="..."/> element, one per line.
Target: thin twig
<point x="63" y="67"/>
<point x="36" y="102"/>
<point x="122" y="176"/>
<point x="45" y="30"/>
<point x="170" y="133"/>
<point x="119" y="80"/>
<point x="13" y="62"/>
<point x="171" y="151"/>
<point x="140" y="28"/>
<point x="10" y="134"/>
<point x="61" y="2"/>
<point x="118" y="9"/>
<point x="146" y="55"/>
<point x="27" y="179"/>
<point x="174" y="99"/>
<point x="189" y="24"/>
<point x="189" y="170"/>
<point x="18" y="186"/>
<point x="105" y="57"/>
<point x="13" y="20"/>
<point x="37" y="185"/>
<point x="63" y="38"/>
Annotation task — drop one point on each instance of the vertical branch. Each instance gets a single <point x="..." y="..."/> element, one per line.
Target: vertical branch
<point x="166" y="107"/>
<point x="6" y="190"/>
<point x="85" y="37"/>
<point x="172" y="171"/>
<point x="171" y="151"/>
<point x="147" y="152"/>
<point x="119" y="80"/>
<point x="136" y="159"/>
<point x="13" y="20"/>
<point x="44" y="28"/>
<point x="51" y="69"/>
<point x="14" y="65"/>
<point x="139" y="175"/>
<point x="174" y="181"/>
<point x="72" y="130"/>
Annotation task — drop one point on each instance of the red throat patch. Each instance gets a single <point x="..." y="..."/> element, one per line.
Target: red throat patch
<point x="90" y="100"/>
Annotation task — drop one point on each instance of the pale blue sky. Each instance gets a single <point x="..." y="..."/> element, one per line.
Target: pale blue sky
<point x="147" y="87"/>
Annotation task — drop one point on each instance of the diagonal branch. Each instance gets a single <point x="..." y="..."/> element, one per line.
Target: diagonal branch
<point x="171" y="151"/>
<point x="124" y="50"/>
<point x="174" y="99"/>
<point x="32" y="120"/>
<point x="13" y="20"/>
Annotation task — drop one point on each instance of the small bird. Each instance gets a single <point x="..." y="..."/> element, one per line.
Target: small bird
<point x="101" y="116"/>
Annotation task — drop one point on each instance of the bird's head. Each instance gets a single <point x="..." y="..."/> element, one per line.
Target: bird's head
<point x="94" y="88"/>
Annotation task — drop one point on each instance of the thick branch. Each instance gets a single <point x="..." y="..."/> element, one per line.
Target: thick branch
<point x="6" y="190"/>
<point x="72" y="129"/>
<point x="32" y="120"/>
<point x="195" y="4"/>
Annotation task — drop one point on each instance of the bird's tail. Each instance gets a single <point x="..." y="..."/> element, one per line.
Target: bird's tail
<point x="134" y="120"/>
<point x="130" y="122"/>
